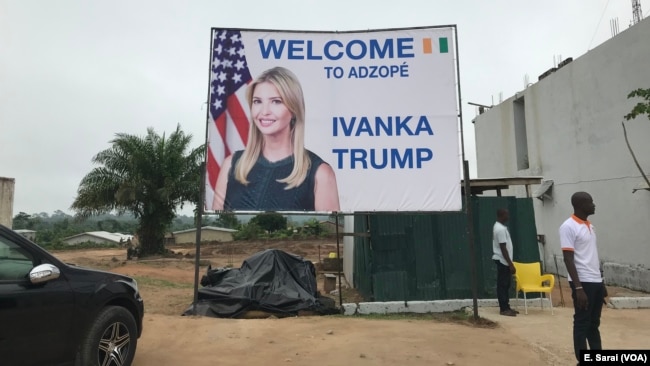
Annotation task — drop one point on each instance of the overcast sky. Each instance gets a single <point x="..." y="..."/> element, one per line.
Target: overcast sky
<point x="75" y="73"/>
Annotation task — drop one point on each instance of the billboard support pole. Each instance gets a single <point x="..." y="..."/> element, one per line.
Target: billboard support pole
<point x="339" y="263"/>
<point x="470" y="237"/>
<point x="200" y="204"/>
<point x="467" y="187"/>
<point x="199" y="225"/>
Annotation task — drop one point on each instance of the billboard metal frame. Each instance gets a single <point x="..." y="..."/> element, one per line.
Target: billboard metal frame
<point x="465" y="163"/>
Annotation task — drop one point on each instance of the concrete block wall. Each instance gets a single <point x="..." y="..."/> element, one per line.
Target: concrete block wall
<point x="632" y="277"/>
<point x="437" y="306"/>
<point x="6" y="201"/>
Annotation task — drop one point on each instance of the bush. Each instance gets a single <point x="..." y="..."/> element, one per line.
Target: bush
<point x="248" y="231"/>
<point x="132" y="251"/>
<point x="59" y="245"/>
<point x="280" y="235"/>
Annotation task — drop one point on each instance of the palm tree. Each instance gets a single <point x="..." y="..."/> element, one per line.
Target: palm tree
<point x="150" y="177"/>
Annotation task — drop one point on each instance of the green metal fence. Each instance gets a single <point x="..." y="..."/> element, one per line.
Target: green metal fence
<point x="426" y="256"/>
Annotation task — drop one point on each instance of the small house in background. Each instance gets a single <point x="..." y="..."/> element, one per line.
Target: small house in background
<point x="29" y="234"/>
<point x="208" y="234"/>
<point x="98" y="237"/>
<point x="330" y="226"/>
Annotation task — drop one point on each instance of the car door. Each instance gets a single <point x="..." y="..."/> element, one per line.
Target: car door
<point x="35" y="320"/>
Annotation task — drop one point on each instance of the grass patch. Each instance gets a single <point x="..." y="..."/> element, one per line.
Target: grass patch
<point x="156" y="282"/>
<point x="458" y="317"/>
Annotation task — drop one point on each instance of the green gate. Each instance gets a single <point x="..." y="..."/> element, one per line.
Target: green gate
<point x="426" y="256"/>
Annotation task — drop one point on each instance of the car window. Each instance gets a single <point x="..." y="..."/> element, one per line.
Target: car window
<point x="15" y="261"/>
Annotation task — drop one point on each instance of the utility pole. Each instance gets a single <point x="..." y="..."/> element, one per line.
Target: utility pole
<point x="637" y="13"/>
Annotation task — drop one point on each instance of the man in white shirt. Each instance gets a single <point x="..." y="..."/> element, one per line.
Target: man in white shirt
<point x="502" y="256"/>
<point x="578" y="243"/>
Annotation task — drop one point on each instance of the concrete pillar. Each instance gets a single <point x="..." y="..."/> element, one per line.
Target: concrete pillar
<point x="6" y="201"/>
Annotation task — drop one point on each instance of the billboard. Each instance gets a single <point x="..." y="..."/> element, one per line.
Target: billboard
<point x="329" y="121"/>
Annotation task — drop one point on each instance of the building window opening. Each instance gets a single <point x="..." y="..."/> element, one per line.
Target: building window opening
<point x="521" y="138"/>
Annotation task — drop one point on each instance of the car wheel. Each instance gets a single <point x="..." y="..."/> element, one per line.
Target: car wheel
<point x="111" y="339"/>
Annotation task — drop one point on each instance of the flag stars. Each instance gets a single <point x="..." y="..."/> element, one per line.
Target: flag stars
<point x="226" y="63"/>
<point x="229" y="68"/>
<point x="222" y="76"/>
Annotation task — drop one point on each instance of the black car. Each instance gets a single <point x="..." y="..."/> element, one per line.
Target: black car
<point x="52" y="313"/>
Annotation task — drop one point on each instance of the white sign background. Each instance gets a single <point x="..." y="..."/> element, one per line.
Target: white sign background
<point x="428" y="90"/>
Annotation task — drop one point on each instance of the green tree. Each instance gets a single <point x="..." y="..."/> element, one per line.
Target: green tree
<point x="641" y="108"/>
<point x="21" y="221"/>
<point x="150" y="177"/>
<point x="313" y="227"/>
<point x="227" y="220"/>
<point x="59" y="214"/>
<point x="270" y="222"/>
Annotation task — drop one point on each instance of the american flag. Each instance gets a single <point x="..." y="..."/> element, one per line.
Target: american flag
<point x="228" y="111"/>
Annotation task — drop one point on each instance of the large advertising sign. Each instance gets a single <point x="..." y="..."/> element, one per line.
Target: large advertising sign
<point x="323" y="122"/>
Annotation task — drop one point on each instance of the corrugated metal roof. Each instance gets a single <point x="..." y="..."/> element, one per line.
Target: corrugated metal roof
<point x="206" y="228"/>
<point x="114" y="237"/>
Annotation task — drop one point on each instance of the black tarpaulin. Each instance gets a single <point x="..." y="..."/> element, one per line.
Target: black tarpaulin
<point x="272" y="281"/>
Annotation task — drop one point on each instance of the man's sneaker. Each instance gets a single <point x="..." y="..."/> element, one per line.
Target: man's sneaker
<point x="508" y="312"/>
<point x="516" y="312"/>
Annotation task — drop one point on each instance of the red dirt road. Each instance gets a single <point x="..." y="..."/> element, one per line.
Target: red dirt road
<point x="170" y="339"/>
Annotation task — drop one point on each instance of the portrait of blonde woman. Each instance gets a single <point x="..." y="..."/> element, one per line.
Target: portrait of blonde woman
<point x="275" y="172"/>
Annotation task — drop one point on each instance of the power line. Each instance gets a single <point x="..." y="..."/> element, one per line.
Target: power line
<point x="597" y="26"/>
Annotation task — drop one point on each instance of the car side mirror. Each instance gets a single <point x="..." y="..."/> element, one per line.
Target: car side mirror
<point x="43" y="273"/>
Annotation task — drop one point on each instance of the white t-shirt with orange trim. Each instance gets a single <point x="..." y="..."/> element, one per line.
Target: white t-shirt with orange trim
<point x="578" y="236"/>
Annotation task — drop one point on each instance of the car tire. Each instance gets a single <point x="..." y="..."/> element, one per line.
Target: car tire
<point x="111" y="339"/>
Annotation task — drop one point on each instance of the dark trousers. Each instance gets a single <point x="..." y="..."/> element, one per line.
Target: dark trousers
<point x="504" y="278"/>
<point x="586" y="321"/>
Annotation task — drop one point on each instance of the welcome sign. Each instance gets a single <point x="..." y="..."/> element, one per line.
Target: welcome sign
<point x="375" y="112"/>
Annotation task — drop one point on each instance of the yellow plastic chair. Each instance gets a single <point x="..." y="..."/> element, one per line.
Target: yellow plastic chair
<point x="530" y="279"/>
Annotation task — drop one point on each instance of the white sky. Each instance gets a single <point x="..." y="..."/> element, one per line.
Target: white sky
<point x="74" y="73"/>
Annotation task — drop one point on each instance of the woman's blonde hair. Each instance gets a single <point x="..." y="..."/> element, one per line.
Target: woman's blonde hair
<point x="291" y="93"/>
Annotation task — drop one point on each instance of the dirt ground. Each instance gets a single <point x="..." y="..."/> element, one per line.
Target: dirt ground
<point x="166" y="284"/>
